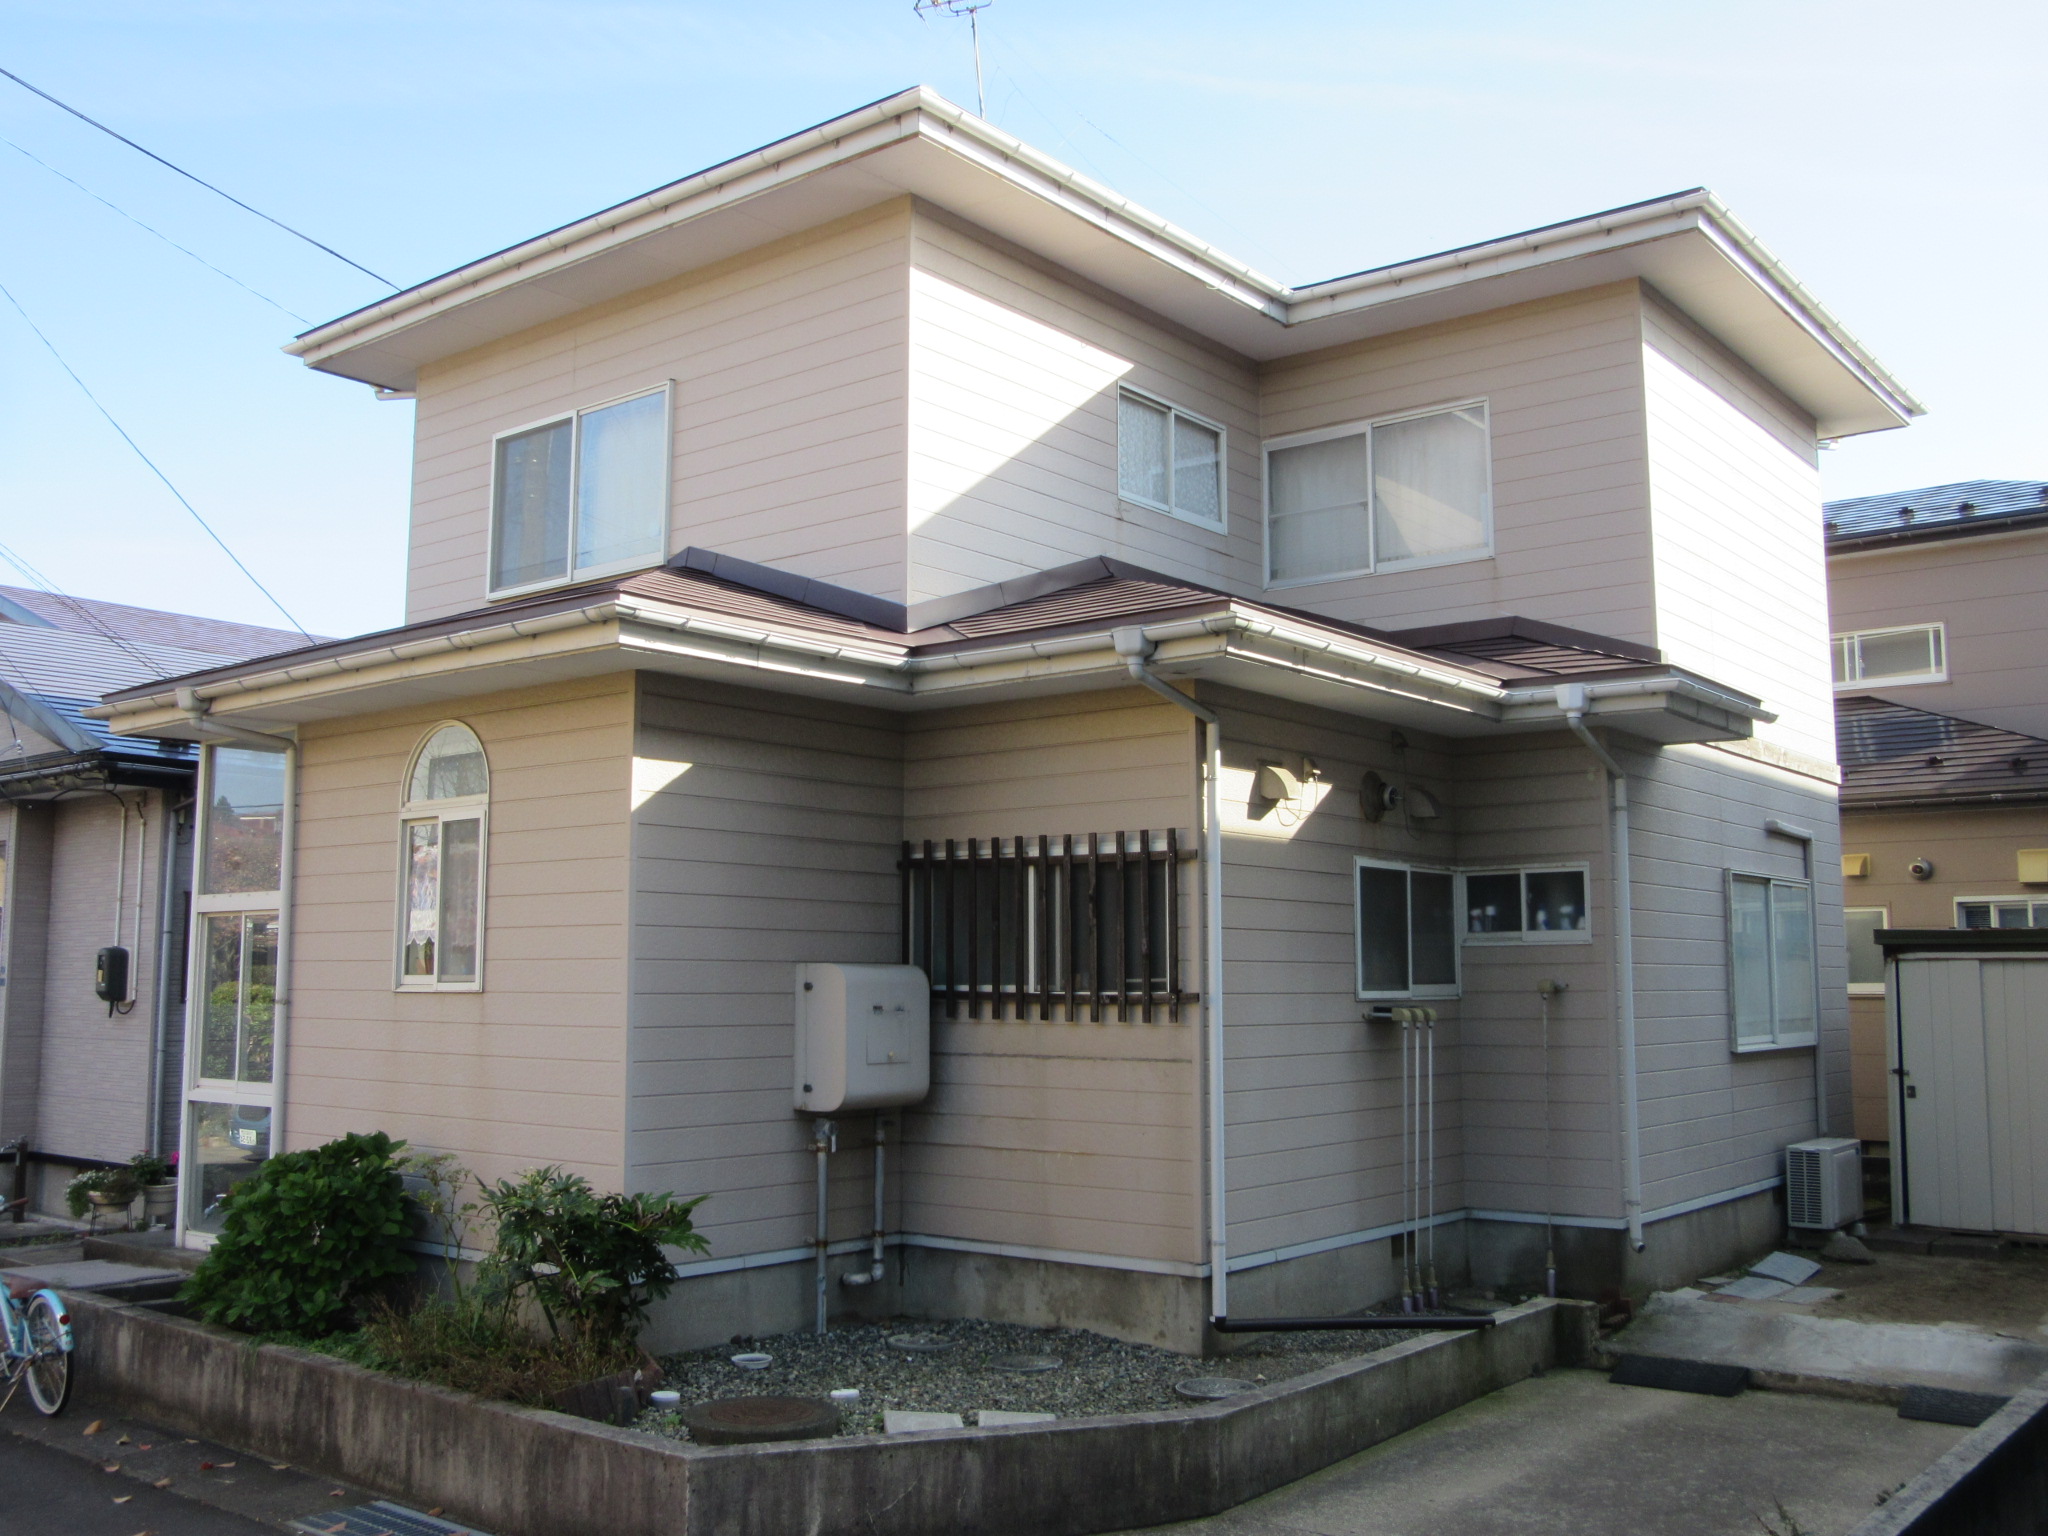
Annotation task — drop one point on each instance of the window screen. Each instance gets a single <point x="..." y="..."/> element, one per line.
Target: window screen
<point x="1429" y="486"/>
<point x="583" y="494"/>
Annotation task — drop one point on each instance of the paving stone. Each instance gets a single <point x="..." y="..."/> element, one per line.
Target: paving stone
<point x="1788" y="1267"/>
<point x="1754" y="1288"/>
<point x="990" y="1418"/>
<point x="905" y="1421"/>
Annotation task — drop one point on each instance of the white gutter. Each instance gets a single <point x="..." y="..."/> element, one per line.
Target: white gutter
<point x="1572" y="699"/>
<point x="1136" y="646"/>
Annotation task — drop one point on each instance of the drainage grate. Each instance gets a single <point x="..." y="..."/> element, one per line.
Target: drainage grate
<point x="1939" y="1405"/>
<point x="379" y="1519"/>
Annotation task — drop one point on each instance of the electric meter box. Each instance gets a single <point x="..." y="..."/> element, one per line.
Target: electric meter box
<point x="863" y="1037"/>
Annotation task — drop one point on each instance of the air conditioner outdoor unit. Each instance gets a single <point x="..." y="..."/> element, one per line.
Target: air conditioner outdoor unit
<point x="1824" y="1182"/>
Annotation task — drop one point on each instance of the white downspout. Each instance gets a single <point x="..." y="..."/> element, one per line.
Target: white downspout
<point x="1136" y="649"/>
<point x="1571" y="698"/>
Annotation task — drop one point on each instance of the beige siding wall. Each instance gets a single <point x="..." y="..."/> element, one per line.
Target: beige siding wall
<point x="1712" y="1119"/>
<point x="1741" y="580"/>
<point x="1314" y="1093"/>
<point x="1563" y="383"/>
<point x="766" y="831"/>
<point x="788" y="365"/>
<point x="1988" y="592"/>
<point x="92" y="1089"/>
<point x="1075" y="1136"/>
<point x="531" y="1069"/>
<point x="1974" y="853"/>
<point x="1013" y="423"/>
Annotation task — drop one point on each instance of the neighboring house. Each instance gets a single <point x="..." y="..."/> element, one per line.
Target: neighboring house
<point x="840" y="555"/>
<point x="1939" y="599"/>
<point x="95" y="833"/>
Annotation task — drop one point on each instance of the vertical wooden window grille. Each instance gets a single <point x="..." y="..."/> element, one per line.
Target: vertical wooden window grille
<point x="1077" y="924"/>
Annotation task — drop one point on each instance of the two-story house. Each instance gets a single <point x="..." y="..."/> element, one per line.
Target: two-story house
<point x="1352" y="759"/>
<point x="1937" y="598"/>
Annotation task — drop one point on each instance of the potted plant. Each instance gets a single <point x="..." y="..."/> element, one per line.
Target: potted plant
<point x="103" y="1191"/>
<point x="158" y="1179"/>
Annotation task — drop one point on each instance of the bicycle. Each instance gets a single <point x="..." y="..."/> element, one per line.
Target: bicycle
<point x="37" y="1344"/>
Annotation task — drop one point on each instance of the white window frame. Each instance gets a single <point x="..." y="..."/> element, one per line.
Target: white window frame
<point x="1855" y="638"/>
<point x="2036" y="905"/>
<point x="412" y="812"/>
<point x="1432" y="991"/>
<point x="1778" y="1041"/>
<point x="1529" y="935"/>
<point x="1374" y="565"/>
<point x="576" y="573"/>
<point x="1884" y="914"/>
<point x="1222" y="523"/>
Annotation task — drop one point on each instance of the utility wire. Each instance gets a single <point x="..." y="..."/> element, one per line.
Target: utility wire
<point x="167" y="240"/>
<point x="146" y="459"/>
<point x="160" y="160"/>
<point x="49" y="588"/>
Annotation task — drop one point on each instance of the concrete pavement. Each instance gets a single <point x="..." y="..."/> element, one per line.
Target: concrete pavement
<point x="47" y="1493"/>
<point x="1568" y="1454"/>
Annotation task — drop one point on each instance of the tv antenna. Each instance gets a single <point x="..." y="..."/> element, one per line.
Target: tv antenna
<point x="972" y="10"/>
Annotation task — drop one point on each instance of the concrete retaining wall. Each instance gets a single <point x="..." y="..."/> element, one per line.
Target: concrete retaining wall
<point x="527" y="1472"/>
<point x="1993" y="1482"/>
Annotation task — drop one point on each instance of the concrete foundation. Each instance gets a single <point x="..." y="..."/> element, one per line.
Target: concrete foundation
<point x="1508" y="1256"/>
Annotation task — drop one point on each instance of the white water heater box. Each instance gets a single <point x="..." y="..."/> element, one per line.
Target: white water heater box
<point x="863" y="1037"/>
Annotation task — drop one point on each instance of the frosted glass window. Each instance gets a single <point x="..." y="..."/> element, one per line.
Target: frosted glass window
<point x="1169" y="460"/>
<point x="1771" y="962"/>
<point x="1429" y="486"/>
<point x="1407" y="931"/>
<point x="1316" y="509"/>
<point x="622" y="482"/>
<point x="1866" y="960"/>
<point x="585" y="494"/>
<point x="441" y="852"/>
<point x="1916" y="654"/>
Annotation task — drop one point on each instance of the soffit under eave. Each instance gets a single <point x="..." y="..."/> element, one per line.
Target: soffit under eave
<point x="1693" y="269"/>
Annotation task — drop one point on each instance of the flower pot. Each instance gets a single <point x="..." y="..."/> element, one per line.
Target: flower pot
<point x="108" y="1209"/>
<point x="159" y="1204"/>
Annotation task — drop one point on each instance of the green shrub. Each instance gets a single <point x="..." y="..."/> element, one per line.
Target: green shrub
<point x="304" y="1238"/>
<point x="591" y="1262"/>
<point x="476" y="1345"/>
<point x="118" y="1182"/>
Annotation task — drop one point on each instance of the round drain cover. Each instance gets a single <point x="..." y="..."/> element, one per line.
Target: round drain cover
<point x="745" y="1420"/>
<point x="919" y="1343"/>
<point x="1025" y="1365"/>
<point x="1206" y="1389"/>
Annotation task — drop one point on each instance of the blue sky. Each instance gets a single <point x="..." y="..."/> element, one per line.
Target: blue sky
<point x="1889" y="153"/>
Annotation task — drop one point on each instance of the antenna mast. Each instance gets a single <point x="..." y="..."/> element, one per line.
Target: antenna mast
<point x="972" y="10"/>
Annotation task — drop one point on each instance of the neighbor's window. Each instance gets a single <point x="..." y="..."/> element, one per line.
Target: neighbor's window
<point x="2001" y="912"/>
<point x="1917" y="654"/>
<point x="1527" y="904"/>
<point x="441" y="854"/>
<point x="1381" y="495"/>
<point x="583" y="495"/>
<point x="1407" y="932"/>
<point x="1866" y="960"/>
<point x="1168" y="460"/>
<point x="1771" y="962"/>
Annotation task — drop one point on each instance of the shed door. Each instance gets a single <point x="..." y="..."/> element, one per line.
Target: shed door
<point x="1971" y="1103"/>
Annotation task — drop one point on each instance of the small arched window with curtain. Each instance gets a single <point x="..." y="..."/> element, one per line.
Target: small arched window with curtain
<point x="442" y="833"/>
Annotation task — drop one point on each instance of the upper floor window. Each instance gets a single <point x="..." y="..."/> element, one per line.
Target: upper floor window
<point x="1917" y="653"/>
<point x="2002" y="912"/>
<point x="1407" y="931"/>
<point x="1382" y="495"/>
<point x="1866" y="960"/>
<point x="1168" y="459"/>
<point x="584" y="495"/>
<point x="441" y="851"/>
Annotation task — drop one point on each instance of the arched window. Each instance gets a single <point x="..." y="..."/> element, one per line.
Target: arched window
<point x="441" y="859"/>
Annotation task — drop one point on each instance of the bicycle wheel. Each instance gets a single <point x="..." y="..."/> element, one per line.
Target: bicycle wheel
<point x="49" y="1363"/>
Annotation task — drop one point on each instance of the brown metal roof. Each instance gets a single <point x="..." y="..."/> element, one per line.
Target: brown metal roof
<point x="1894" y="755"/>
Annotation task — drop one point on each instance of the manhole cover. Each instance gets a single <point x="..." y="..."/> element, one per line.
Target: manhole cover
<point x="1025" y="1365"/>
<point x="919" y="1343"/>
<point x="1206" y="1389"/>
<point x="745" y="1420"/>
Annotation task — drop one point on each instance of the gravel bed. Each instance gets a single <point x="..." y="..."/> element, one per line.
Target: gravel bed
<point x="1096" y="1375"/>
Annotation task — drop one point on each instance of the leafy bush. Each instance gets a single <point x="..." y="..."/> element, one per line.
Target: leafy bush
<point x="590" y="1262"/>
<point x="118" y="1182"/>
<point x="304" y="1238"/>
<point x="148" y="1169"/>
<point x="475" y="1344"/>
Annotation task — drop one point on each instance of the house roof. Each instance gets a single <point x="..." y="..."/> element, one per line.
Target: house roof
<point x="1893" y="755"/>
<point x="917" y="144"/>
<point x="49" y="677"/>
<point x="710" y="615"/>
<point x="151" y="626"/>
<point x="1957" y="510"/>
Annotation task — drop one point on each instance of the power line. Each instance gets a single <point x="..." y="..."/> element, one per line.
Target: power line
<point x="151" y="463"/>
<point x="167" y="240"/>
<point x="49" y="588"/>
<point x="160" y="160"/>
